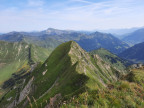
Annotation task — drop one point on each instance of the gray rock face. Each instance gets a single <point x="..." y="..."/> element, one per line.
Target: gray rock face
<point x="23" y="94"/>
<point x="12" y="105"/>
<point x="25" y="91"/>
<point x="52" y="101"/>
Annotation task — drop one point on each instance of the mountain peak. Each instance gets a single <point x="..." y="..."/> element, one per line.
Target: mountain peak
<point x="54" y="31"/>
<point x="67" y="71"/>
<point x="82" y="60"/>
<point x="51" y="29"/>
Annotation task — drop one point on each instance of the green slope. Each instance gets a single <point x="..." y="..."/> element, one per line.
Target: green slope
<point x="45" y="42"/>
<point x="12" y="57"/>
<point x="68" y="71"/>
<point x="112" y="59"/>
<point x="125" y="93"/>
<point x="15" y="55"/>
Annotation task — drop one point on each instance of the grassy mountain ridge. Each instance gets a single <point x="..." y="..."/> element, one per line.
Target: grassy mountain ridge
<point x="112" y="59"/>
<point x="68" y="71"/>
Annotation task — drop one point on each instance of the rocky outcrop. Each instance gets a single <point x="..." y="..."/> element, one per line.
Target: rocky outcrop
<point x="12" y="105"/>
<point x="22" y="94"/>
<point x="26" y="90"/>
<point x="97" y="68"/>
<point x="52" y="101"/>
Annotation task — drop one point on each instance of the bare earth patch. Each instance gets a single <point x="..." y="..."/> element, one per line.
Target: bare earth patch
<point x="2" y="64"/>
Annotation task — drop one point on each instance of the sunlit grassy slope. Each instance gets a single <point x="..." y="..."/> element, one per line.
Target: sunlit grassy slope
<point x="68" y="71"/>
<point x="111" y="58"/>
<point x="15" y="55"/>
<point x="125" y="93"/>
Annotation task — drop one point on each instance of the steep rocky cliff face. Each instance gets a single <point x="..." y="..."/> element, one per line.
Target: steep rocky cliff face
<point x="68" y="71"/>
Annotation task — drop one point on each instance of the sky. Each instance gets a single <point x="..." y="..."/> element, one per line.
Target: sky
<point x="31" y="15"/>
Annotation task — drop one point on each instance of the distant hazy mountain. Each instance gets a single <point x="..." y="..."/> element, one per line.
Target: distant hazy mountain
<point x="12" y="37"/>
<point x="102" y="40"/>
<point x="135" y="53"/>
<point x="135" y="37"/>
<point x="121" y="32"/>
<point x="51" y="38"/>
<point x="49" y="31"/>
<point x="42" y="41"/>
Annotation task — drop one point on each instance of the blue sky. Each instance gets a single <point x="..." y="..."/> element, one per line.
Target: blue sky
<point x="29" y="15"/>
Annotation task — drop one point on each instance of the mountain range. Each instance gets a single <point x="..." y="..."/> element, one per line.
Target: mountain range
<point x="42" y="41"/>
<point x="135" y="37"/>
<point x="53" y="37"/>
<point x="101" y="40"/>
<point x="135" y="53"/>
<point x="121" y="32"/>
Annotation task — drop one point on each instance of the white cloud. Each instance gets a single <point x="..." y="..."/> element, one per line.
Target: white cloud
<point x="89" y="16"/>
